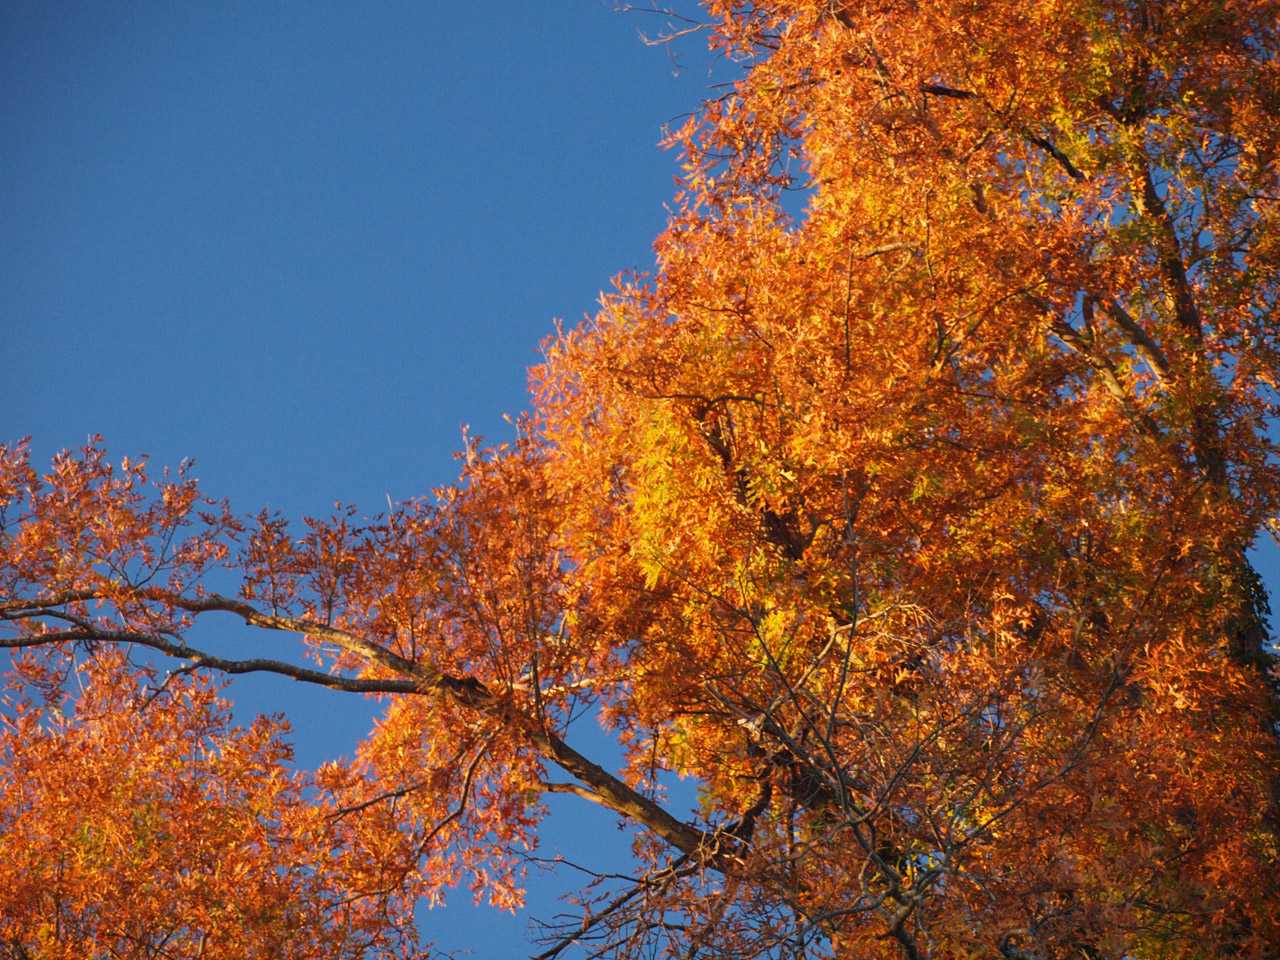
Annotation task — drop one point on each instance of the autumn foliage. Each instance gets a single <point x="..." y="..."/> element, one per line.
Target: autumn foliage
<point x="912" y="528"/>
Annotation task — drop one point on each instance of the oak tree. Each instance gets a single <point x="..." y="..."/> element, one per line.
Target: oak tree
<point x="911" y="527"/>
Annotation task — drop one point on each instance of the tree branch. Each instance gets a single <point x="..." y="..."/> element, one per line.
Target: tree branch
<point x="1147" y="348"/>
<point x="200" y="658"/>
<point x="339" y="638"/>
<point x="467" y="692"/>
<point x="577" y="789"/>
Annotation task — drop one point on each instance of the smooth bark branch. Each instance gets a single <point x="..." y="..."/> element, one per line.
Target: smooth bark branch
<point x="577" y="789"/>
<point x="339" y="638"/>
<point x="888" y="248"/>
<point x="200" y="658"/>
<point x="1147" y="348"/>
<point x="20" y="607"/>
<point x="380" y="798"/>
<point x="1106" y="371"/>
<point x="619" y="797"/>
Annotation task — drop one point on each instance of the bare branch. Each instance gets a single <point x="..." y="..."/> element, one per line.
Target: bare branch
<point x="574" y="788"/>
<point x="200" y="658"/>
<point x="1137" y="336"/>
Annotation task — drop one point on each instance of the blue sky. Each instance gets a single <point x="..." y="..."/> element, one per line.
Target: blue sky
<point x="304" y="243"/>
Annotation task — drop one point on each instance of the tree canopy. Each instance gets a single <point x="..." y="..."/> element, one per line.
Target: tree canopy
<point x="911" y="527"/>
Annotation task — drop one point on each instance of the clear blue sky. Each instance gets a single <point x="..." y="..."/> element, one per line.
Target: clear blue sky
<point x="303" y="243"/>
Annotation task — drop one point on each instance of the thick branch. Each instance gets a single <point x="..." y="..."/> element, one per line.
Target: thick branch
<point x="577" y="789"/>
<point x="467" y="692"/>
<point x="1147" y="348"/>
<point x="339" y="638"/>
<point x="18" y="607"/>
<point x="200" y="658"/>
<point x="619" y="797"/>
<point x="1048" y="146"/>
